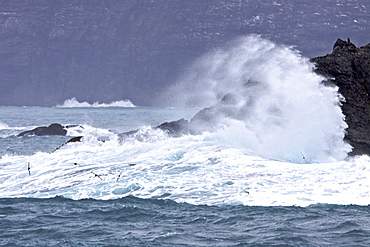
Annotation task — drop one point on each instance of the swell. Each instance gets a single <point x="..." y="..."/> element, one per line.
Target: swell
<point x="152" y="222"/>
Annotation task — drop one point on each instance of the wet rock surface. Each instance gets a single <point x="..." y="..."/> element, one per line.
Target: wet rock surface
<point x="52" y="129"/>
<point x="348" y="67"/>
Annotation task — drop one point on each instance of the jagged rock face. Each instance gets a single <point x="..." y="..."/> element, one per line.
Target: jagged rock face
<point x="52" y="129"/>
<point x="348" y="67"/>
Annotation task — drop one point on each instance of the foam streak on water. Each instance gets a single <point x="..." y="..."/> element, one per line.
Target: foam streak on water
<point x="193" y="169"/>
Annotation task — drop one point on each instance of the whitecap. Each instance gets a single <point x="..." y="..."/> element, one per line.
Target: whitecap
<point x="276" y="104"/>
<point x="74" y="103"/>
<point x="3" y="126"/>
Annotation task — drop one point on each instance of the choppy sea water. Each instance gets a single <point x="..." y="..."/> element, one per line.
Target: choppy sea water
<point x="161" y="191"/>
<point x="131" y="221"/>
<point x="271" y="170"/>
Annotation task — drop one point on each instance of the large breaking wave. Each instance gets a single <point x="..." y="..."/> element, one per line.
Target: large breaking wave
<point x="276" y="113"/>
<point x="275" y="104"/>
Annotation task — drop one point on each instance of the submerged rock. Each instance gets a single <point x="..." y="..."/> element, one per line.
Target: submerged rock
<point x="52" y="129"/>
<point x="348" y="67"/>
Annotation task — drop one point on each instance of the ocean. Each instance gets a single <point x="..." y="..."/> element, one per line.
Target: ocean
<point x="161" y="191"/>
<point x="271" y="170"/>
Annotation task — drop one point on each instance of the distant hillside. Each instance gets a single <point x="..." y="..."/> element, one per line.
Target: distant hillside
<point x="106" y="51"/>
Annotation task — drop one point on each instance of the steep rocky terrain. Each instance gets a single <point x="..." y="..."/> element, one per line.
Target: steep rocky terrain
<point x="348" y="67"/>
<point x="108" y="50"/>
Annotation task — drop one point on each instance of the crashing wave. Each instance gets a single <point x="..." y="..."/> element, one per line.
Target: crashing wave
<point x="266" y="98"/>
<point x="74" y="103"/>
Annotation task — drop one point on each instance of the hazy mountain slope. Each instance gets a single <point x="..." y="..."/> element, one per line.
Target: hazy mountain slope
<point x="111" y="50"/>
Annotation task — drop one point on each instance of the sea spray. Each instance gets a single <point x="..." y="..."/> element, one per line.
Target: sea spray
<point x="3" y="126"/>
<point x="266" y="98"/>
<point x="285" y="115"/>
<point x="194" y="169"/>
<point x="210" y="168"/>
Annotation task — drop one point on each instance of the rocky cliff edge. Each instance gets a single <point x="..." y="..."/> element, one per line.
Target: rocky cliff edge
<point x="348" y="67"/>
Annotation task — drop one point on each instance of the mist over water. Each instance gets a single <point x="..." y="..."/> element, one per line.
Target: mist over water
<point x="275" y="105"/>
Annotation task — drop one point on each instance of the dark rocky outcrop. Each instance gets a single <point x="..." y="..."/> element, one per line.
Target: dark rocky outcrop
<point x="348" y="67"/>
<point x="74" y="139"/>
<point x="52" y="129"/>
<point x="173" y="129"/>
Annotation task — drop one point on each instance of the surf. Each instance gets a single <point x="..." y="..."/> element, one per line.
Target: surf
<point x="275" y="138"/>
<point x="265" y="97"/>
<point x="73" y="103"/>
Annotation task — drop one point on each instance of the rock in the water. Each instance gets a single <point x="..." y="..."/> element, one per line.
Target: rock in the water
<point x="175" y="128"/>
<point x="52" y="129"/>
<point x="237" y="105"/>
<point x="348" y="67"/>
<point x="74" y="139"/>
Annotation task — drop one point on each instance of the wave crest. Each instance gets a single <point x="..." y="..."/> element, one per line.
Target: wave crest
<point x="3" y="126"/>
<point x="74" y="103"/>
<point x="269" y="99"/>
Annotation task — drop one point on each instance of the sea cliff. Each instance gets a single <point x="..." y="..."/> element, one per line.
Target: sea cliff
<point x="348" y="67"/>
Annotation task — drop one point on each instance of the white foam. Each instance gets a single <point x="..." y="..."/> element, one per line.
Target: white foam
<point x="3" y="126"/>
<point x="192" y="169"/>
<point x="288" y="149"/>
<point x="145" y="134"/>
<point x="87" y="130"/>
<point x="74" y="103"/>
<point x="279" y="107"/>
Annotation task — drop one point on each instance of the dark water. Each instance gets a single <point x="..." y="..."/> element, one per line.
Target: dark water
<point x="154" y="222"/>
